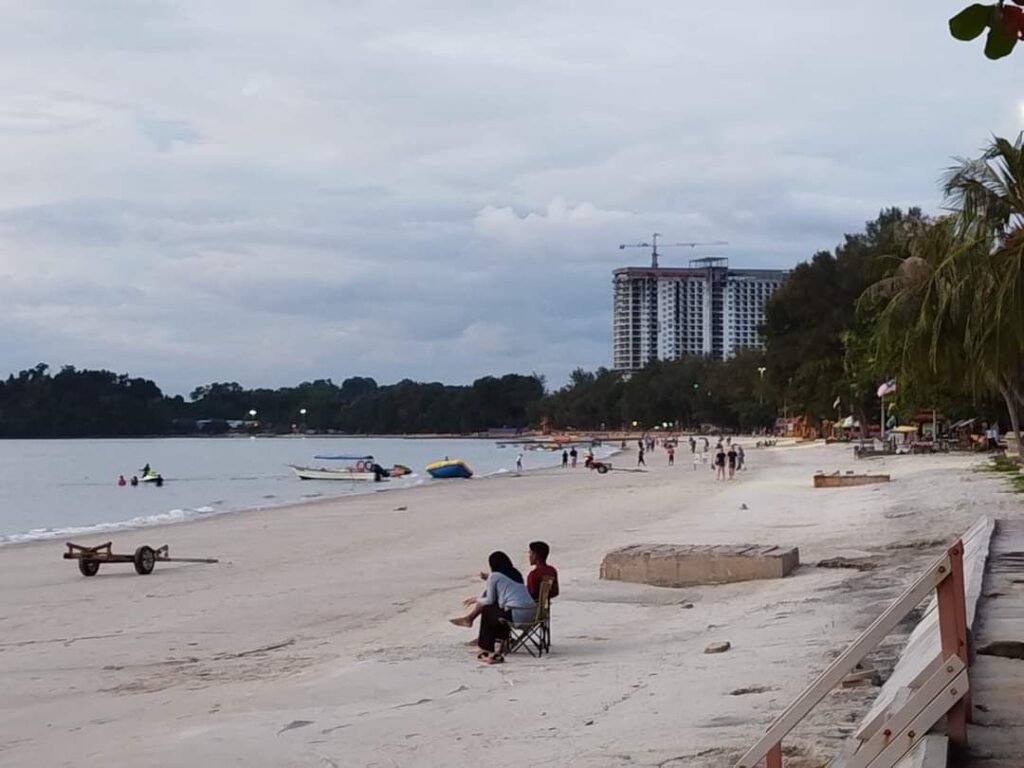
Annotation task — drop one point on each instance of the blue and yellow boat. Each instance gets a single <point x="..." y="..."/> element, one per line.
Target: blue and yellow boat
<point x="446" y="468"/>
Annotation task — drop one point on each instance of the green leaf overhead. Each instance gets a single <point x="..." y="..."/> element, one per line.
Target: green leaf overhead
<point x="971" y="21"/>
<point x="999" y="43"/>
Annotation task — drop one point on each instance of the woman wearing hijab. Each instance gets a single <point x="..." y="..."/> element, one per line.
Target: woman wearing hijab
<point x="504" y="597"/>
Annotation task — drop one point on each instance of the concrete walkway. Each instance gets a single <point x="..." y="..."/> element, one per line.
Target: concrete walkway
<point x="997" y="677"/>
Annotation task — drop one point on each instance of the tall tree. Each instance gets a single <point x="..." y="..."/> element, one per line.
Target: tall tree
<point x="812" y="318"/>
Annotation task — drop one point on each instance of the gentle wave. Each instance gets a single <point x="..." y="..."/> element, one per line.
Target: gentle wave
<point x="145" y="521"/>
<point x="187" y="515"/>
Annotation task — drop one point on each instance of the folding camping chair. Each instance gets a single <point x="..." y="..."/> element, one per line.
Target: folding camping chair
<point x="533" y="635"/>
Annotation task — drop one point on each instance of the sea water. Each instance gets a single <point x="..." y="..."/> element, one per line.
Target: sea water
<point x="61" y="488"/>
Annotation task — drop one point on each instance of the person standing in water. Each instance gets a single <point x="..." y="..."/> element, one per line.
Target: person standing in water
<point x="573" y="455"/>
<point x="519" y="462"/>
<point x="565" y="458"/>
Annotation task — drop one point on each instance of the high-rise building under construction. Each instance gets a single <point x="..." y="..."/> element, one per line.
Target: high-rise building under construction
<point x="662" y="313"/>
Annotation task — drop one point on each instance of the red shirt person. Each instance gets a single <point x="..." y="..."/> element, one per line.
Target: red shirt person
<point x="539" y="552"/>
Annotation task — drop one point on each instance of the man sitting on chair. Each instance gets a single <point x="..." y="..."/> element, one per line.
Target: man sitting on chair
<point x="539" y="552"/>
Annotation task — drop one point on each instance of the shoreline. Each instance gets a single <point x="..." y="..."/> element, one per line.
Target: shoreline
<point x="139" y="524"/>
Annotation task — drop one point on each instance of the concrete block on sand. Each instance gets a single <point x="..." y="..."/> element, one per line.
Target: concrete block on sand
<point x="682" y="565"/>
<point x="822" y="480"/>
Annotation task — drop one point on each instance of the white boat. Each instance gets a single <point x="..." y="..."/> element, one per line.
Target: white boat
<point x="335" y="473"/>
<point x="356" y="469"/>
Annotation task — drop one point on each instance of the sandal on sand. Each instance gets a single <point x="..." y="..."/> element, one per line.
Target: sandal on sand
<point x="490" y="658"/>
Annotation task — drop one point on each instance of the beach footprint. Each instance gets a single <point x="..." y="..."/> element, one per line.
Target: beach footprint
<point x="295" y="724"/>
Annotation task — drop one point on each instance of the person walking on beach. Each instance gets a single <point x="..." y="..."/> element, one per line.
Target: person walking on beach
<point x="697" y="460"/>
<point x="640" y="458"/>
<point x="732" y="462"/>
<point x="719" y="464"/>
<point x="565" y="458"/>
<point x="519" y="463"/>
<point x="671" y="451"/>
<point x="573" y="455"/>
<point x="740" y="456"/>
<point x="693" y="445"/>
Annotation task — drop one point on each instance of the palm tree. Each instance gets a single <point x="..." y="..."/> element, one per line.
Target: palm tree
<point x="954" y="309"/>
<point x="920" y="325"/>
<point x="988" y="197"/>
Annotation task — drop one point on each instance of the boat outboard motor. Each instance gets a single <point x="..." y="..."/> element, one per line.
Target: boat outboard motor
<point x="378" y="472"/>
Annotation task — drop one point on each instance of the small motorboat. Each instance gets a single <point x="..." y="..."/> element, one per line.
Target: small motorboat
<point x="447" y="468"/>
<point x="358" y="469"/>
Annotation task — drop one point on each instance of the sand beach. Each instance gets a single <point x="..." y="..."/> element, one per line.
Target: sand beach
<point x="321" y="639"/>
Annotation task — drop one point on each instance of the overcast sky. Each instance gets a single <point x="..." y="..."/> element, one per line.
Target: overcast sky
<point x="276" y="192"/>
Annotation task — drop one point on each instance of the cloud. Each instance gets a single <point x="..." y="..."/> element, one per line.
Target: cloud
<point x="166" y="133"/>
<point x="199" y="191"/>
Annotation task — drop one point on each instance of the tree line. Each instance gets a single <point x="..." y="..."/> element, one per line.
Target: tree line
<point x="86" y="403"/>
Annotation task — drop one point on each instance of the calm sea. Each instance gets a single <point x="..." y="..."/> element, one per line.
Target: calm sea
<point x="57" y="488"/>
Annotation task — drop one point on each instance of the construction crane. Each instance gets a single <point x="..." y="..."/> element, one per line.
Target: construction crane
<point x="653" y="245"/>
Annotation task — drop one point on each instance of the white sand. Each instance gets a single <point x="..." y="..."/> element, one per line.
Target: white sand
<point x="348" y="600"/>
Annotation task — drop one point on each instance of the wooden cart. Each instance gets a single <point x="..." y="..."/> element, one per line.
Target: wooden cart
<point x="144" y="558"/>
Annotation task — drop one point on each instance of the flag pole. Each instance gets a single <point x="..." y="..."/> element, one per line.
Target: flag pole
<point x="881" y="423"/>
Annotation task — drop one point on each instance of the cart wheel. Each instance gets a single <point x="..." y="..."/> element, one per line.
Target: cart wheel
<point x="145" y="559"/>
<point x="88" y="567"/>
<point x="602" y="469"/>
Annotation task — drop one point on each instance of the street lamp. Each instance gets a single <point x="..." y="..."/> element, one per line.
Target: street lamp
<point x="252" y="414"/>
<point x="761" y="369"/>
<point x="302" y="418"/>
